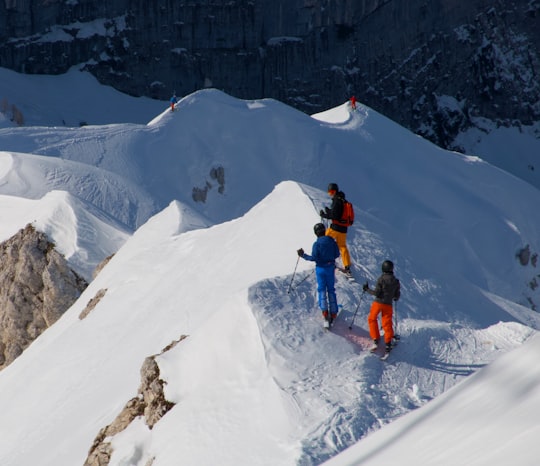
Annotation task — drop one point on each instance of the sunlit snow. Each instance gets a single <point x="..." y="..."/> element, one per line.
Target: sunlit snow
<point x="204" y="209"/>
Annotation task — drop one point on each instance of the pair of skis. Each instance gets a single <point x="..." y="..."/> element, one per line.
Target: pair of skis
<point x="329" y="324"/>
<point x="386" y="354"/>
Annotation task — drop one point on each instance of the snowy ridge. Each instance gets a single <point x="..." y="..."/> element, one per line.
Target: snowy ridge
<point x="70" y="100"/>
<point x="83" y="234"/>
<point x="129" y="313"/>
<point x="33" y="176"/>
<point x="320" y="390"/>
<point x="258" y="381"/>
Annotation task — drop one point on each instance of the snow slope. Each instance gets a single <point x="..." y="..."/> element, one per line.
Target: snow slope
<point x="82" y="234"/>
<point x="489" y="419"/>
<point x="257" y="366"/>
<point x="69" y="100"/>
<point x="257" y="380"/>
<point x="515" y="149"/>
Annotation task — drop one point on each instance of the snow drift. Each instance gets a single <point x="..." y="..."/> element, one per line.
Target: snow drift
<point x="220" y="194"/>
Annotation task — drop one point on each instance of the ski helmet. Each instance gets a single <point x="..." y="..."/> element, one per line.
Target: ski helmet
<point x="333" y="187"/>
<point x="319" y="229"/>
<point x="387" y="266"/>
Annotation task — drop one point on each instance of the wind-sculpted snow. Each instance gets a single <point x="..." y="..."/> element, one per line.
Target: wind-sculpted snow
<point x="32" y="177"/>
<point x="258" y="381"/>
<point x="83" y="234"/>
<point x="412" y="192"/>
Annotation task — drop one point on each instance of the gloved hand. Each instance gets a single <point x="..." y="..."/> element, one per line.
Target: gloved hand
<point x="366" y="286"/>
<point x="300" y="252"/>
<point x="322" y="214"/>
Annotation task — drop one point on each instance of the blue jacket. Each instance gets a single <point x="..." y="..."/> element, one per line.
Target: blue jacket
<point x="324" y="253"/>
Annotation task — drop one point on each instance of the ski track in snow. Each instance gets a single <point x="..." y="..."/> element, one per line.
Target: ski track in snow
<point x="449" y="324"/>
<point x="430" y="358"/>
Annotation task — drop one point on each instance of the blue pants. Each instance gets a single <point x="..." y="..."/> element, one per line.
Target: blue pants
<point x="326" y="288"/>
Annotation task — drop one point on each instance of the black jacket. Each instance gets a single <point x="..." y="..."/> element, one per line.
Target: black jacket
<point x="335" y="212"/>
<point x="387" y="289"/>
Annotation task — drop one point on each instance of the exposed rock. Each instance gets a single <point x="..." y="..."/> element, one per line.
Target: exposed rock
<point x="216" y="174"/>
<point x="92" y="303"/>
<point x="150" y="403"/>
<point x="524" y="255"/>
<point x="36" y="288"/>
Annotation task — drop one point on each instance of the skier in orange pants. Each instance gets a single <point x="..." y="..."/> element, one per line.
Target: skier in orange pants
<point x="386" y="290"/>
<point x="386" y="312"/>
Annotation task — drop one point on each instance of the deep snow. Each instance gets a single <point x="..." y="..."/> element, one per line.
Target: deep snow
<point x="258" y="381"/>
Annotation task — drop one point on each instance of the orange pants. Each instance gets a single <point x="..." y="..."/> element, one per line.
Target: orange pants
<point x="341" y="240"/>
<point x="386" y="310"/>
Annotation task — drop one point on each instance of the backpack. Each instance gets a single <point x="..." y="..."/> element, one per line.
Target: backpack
<point x="347" y="218"/>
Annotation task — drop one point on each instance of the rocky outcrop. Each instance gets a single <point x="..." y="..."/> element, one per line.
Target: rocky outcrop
<point x="36" y="287"/>
<point x="431" y="66"/>
<point x="529" y="260"/>
<point x="93" y="303"/>
<point x="150" y="404"/>
<point x="217" y="176"/>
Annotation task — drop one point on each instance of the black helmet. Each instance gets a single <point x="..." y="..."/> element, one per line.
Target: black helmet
<point x="333" y="187"/>
<point x="319" y="229"/>
<point x="387" y="266"/>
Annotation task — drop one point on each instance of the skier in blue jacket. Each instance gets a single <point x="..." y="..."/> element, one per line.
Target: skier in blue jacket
<point x="324" y="253"/>
<point x="173" y="100"/>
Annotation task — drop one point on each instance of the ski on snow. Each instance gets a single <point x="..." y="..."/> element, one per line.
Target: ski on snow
<point x="327" y="325"/>
<point x="386" y="354"/>
<point x="347" y="274"/>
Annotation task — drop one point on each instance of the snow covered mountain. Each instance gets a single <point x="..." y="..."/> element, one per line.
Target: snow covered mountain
<point x="206" y="207"/>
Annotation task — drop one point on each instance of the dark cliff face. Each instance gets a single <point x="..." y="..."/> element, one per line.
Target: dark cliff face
<point x="431" y="66"/>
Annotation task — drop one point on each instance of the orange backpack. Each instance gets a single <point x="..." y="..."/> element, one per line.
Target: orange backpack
<point x="347" y="218"/>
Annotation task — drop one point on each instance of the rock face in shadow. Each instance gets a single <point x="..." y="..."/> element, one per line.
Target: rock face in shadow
<point x="36" y="287"/>
<point x="431" y="66"/>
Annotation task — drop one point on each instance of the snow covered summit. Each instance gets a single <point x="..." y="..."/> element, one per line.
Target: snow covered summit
<point x="220" y="194"/>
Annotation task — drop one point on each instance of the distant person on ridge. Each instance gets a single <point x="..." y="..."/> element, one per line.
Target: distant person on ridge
<point x="353" y="102"/>
<point x="173" y="101"/>
<point x="339" y="225"/>
<point x="387" y="290"/>
<point x="324" y="253"/>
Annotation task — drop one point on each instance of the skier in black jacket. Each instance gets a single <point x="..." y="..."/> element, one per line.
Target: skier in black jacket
<point x="337" y="229"/>
<point x="387" y="290"/>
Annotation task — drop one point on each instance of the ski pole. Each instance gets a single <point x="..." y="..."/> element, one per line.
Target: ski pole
<point x="294" y="273"/>
<point x="356" y="310"/>
<point x="303" y="280"/>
